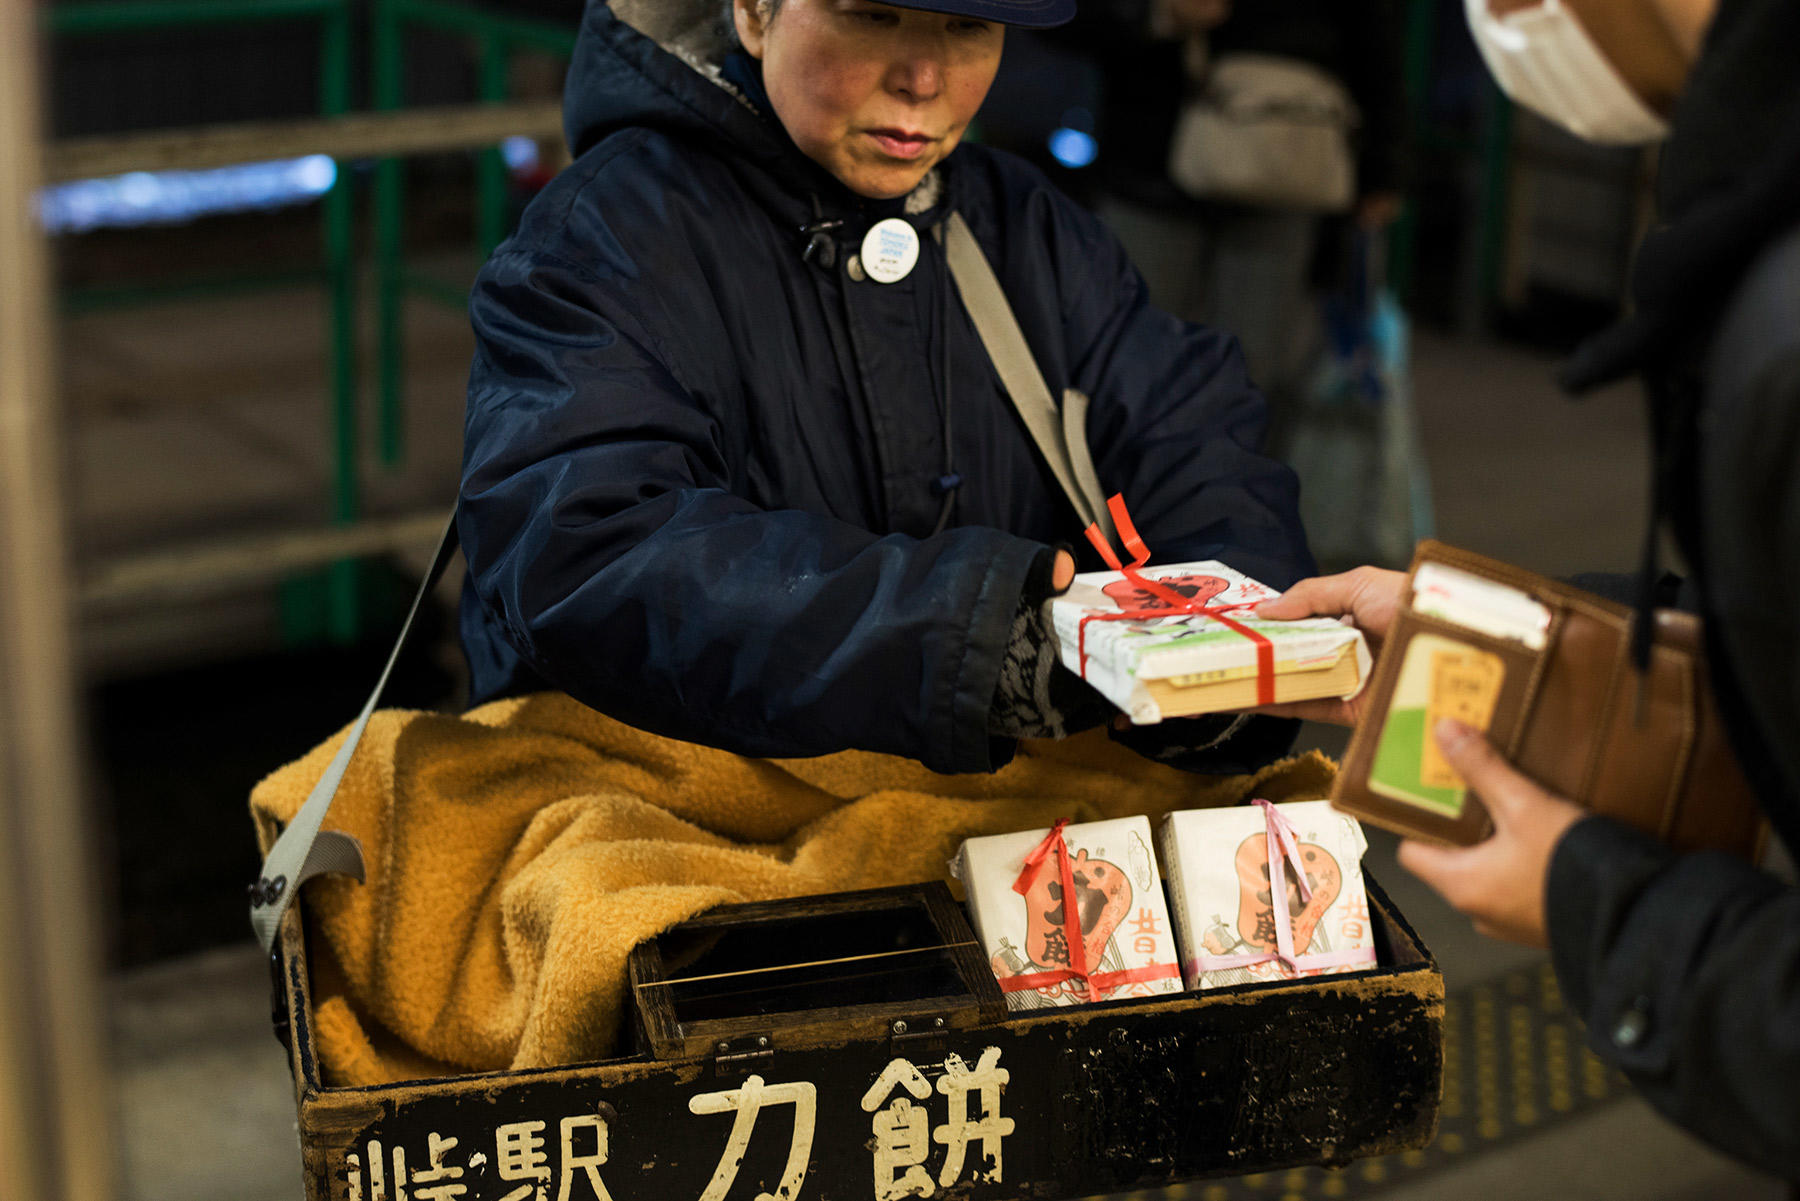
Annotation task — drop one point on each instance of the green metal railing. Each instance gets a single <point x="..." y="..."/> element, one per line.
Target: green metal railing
<point x="112" y="16"/>
<point x="496" y="38"/>
<point x="1421" y="29"/>
<point x="1493" y="146"/>
<point x="341" y="601"/>
<point x="330" y="604"/>
<point x="1496" y="196"/>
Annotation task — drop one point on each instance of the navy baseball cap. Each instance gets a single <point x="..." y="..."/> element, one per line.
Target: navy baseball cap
<point x="1032" y="14"/>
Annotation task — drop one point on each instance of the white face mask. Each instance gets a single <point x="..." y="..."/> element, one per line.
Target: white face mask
<point x="1543" y="58"/>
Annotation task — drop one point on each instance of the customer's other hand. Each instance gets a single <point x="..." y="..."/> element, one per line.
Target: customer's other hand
<point x="1500" y="881"/>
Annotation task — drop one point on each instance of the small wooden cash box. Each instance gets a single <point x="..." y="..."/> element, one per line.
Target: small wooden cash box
<point x="855" y="1047"/>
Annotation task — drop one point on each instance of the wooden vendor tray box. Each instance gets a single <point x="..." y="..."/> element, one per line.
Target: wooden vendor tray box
<point x="893" y="1072"/>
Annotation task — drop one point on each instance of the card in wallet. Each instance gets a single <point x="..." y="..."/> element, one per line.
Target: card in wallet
<point x="1544" y="669"/>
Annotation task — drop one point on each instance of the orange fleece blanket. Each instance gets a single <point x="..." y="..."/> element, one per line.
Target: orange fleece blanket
<point x="517" y="853"/>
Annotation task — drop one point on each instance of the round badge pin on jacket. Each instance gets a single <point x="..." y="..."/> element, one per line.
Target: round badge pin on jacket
<point x="890" y="250"/>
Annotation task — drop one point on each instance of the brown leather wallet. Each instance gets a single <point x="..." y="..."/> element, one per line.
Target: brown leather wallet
<point x="1576" y="716"/>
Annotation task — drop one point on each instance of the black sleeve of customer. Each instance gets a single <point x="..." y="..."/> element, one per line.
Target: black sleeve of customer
<point x="1686" y="969"/>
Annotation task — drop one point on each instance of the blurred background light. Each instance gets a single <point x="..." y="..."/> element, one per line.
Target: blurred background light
<point x="520" y="153"/>
<point x="171" y="197"/>
<point x="1073" y="148"/>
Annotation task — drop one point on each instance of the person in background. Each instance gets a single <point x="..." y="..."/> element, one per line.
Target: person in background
<point x="1244" y="268"/>
<point x="1686" y="968"/>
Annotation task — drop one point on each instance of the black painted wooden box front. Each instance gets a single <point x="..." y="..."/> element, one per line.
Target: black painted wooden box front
<point x="1060" y="1103"/>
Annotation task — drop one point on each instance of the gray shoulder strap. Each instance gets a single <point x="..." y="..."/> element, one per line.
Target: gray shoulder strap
<point x="1060" y="434"/>
<point x="304" y="850"/>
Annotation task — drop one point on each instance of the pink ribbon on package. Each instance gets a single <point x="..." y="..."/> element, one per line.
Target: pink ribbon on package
<point x="1284" y="847"/>
<point x="1172" y="602"/>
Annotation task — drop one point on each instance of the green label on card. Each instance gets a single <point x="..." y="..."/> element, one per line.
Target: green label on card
<point x="1439" y="678"/>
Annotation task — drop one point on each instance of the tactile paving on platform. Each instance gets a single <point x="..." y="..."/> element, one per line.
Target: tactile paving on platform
<point x="1515" y="1061"/>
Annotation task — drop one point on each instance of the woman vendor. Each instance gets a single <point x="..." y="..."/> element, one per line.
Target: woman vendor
<point x="727" y="482"/>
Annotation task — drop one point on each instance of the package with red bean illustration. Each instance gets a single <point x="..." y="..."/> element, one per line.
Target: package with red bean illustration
<point x="1071" y="914"/>
<point x="1180" y="640"/>
<point x="1226" y="869"/>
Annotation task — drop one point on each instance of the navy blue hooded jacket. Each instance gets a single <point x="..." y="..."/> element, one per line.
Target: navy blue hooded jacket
<point x="702" y="473"/>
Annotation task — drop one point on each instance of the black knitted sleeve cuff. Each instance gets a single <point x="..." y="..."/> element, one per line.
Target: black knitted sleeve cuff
<point x="1036" y="697"/>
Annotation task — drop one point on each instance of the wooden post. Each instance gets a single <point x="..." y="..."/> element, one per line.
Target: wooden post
<point x="55" y="1105"/>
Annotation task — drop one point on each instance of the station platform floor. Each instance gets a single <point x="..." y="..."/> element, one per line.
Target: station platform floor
<point x="208" y="416"/>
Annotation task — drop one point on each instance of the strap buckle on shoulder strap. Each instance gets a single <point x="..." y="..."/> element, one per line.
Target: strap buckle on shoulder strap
<point x="1060" y="432"/>
<point x="304" y="850"/>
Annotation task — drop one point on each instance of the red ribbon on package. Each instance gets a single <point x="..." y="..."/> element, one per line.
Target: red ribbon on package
<point x="1172" y="601"/>
<point x="1284" y="847"/>
<point x="1095" y="983"/>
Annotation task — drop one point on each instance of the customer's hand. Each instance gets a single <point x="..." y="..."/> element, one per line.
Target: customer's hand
<point x="1500" y="881"/>
<point x="1063" y="573"/>
<point x="1369" y="596"/>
